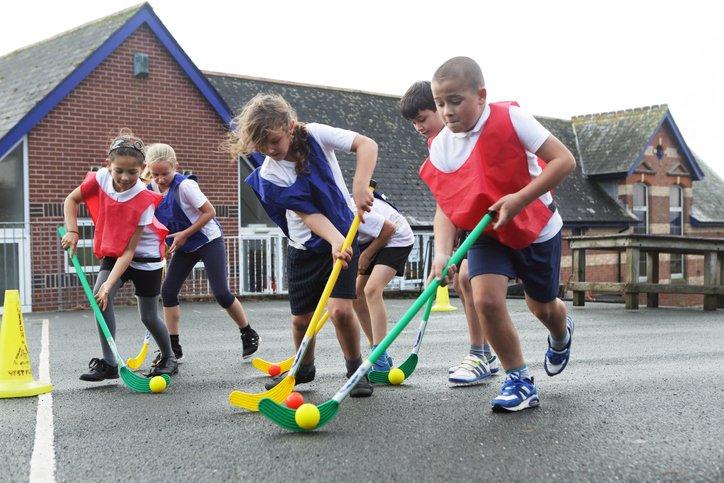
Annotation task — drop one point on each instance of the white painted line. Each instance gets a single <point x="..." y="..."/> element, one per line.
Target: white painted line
<point x="42" y="463"/>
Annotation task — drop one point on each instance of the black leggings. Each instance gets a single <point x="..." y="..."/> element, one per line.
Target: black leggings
<point x="213" y="254"/>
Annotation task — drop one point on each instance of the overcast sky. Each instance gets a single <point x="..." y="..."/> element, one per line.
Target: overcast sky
<point x="557" y="59"/>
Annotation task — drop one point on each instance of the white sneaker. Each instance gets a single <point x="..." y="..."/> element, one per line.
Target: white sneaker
<point x="472" y="370"/>
<point x="492" y="362"/>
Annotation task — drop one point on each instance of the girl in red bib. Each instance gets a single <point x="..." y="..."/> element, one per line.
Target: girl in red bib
<point x="128" y="241"/>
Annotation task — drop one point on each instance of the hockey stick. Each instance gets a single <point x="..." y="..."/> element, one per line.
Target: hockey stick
<point x="265" y="366"/>
<point x="131" y="379"/>
<point x="250" y="401"/>
<point x="135" y="363"/>
<point x="286" y="418"/>
<point x="408" y="366"/>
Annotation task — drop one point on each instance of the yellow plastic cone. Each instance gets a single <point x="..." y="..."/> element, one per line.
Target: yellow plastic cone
<point x="16" y="373"/>
<point x="442" y="301"/>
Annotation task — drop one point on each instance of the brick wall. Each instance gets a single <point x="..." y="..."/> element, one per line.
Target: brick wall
<point x="659" y="175"/>
<point x="75" y="135"/>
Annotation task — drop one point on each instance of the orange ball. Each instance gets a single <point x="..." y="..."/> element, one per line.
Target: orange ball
<point x="294" y="400"/>
<point x="274" y="370"/>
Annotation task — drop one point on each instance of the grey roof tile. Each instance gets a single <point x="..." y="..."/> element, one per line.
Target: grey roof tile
<point x="708" y="204"/>
<point x="611" y="142"/>
<point x="579" y="199"/>
<point x="27" y="75"/>
<point x="401" y="148"/>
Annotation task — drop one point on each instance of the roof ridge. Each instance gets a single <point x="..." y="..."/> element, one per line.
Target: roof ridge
<point x="74" y="29"/>
<point x="632" y="110"/>
<point x="551" y="118"/>
<point x="300" y="84"/>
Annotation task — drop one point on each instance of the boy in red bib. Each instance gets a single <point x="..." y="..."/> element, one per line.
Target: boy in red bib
<point x="128" y="241"/>
<point x="479" y="364"/>
<point x="489" y="157"/>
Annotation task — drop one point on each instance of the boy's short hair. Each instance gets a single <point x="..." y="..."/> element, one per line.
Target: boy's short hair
<point x="417" y="98"/>
<point x="461" y="68"/>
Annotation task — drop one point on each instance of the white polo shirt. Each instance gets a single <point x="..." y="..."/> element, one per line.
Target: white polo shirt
<point x="450" y="150"/>
<point x="375" y="220"/>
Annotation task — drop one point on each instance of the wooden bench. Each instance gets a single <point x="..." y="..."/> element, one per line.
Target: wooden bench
<point x="651" y="246"/>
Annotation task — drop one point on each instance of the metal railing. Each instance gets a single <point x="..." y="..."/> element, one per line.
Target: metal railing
<point x="32" y="261"/>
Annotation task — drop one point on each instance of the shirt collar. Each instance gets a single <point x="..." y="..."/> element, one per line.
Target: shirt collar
<point x="478" y="125"/>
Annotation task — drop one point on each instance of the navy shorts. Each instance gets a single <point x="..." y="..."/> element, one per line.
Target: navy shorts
<point x="537" y="265"/>
<point x="307" y="274"/>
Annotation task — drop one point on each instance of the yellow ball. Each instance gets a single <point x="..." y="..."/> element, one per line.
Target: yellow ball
<point x="307" y="416"/>
<point x="157" y="384"/>
<point x="396" y="376"/>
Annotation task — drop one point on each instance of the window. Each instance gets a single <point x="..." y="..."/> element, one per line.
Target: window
<point x="87" y="260"/>
<point x="12" y="180"/>
<point x="676" y="227"/>
<point x="641" y="210"/>
<point x="250" y="210"/>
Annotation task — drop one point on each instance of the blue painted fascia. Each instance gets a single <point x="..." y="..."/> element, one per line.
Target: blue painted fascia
<point x="696" y="173"/>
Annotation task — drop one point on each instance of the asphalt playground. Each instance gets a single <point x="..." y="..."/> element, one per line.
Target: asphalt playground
<point x="641" y="400"/>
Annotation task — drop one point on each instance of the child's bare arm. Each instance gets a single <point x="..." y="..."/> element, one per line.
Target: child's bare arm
<point x="122" y="264"/>
<point x="366" y="150"/>
<point x="322" y="227"/>
<point x="70" y="212"/>
<point x="560" y="163"/>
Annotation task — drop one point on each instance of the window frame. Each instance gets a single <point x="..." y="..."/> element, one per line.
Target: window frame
<point x="82" y="243"/>
<point x="645" y="209"/>
<point x="677" y="209"/>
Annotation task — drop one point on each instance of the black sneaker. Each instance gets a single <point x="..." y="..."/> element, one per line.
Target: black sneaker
<point x="303" y="376"/>
<point x="165" y="365"/>
<point x="249" y="341"/>
<point x="177" y="351"/>
<point x="99" y="370"/>
<point x="363" y="388"/>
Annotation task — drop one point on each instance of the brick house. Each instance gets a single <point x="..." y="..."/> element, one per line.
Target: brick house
<point x="63" y="99"/>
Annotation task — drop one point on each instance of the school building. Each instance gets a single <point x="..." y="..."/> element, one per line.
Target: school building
<point x="63" y="99"/>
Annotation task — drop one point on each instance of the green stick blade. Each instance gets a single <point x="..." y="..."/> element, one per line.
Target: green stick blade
<point x="138" y="383"/>
<point x="379" y="377"/>
<point x="284" y="417"/>
<point x="407" y="367"/>
<point x="279" y="415"/>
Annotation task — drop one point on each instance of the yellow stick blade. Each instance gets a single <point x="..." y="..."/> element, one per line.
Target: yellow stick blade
<point x="135" y="363"/>
<point x="263" y="366"/>
<point x="260" y="364"/>
<point x="250" y="402"/>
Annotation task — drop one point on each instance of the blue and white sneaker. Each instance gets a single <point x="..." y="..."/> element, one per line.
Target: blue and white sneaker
<point x="472" y="370"/>
<point x="516" y="394"/>
<point x="384" y="363"/>
<point x="555" y="360"/>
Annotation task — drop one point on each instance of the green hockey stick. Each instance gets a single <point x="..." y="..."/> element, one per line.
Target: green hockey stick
<point x="409" y="365"/>
<point x="285" y="417"/>
<point x="131" y="379"/>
